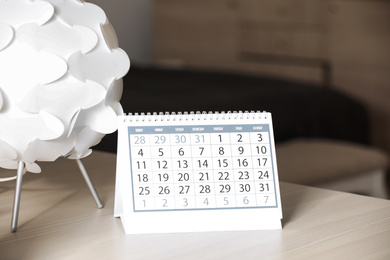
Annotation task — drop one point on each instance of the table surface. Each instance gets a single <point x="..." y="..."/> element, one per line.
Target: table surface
<point x="59" y="220"/>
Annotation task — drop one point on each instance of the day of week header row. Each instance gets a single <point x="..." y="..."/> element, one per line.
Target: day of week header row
<point x="197" y="129"/>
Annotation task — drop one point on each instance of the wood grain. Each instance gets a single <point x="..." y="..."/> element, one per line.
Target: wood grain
<point x="59" y="220"/>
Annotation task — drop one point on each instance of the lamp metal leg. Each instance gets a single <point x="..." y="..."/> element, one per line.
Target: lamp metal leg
<point x="89" y="183"/>
<point x="18" y="192"/>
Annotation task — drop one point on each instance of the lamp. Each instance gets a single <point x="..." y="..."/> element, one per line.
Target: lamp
<point x="60" y="83"/>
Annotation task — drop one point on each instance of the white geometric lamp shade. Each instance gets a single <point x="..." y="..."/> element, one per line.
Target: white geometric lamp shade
<point x="60" y="80"/>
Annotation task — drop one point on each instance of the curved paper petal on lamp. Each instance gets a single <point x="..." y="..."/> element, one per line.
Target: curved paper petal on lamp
<point x="33" y="167"/>
<point x="51" y="67"/>
<point x="63" y="98"/>
<point x="85" y="139"/>
<point x="53" y="126"/>
<point x="59" y="147"/>
<point x="37" y="128"/>
<point x="74" y="13"/>
<point x="17" y="13"/>
<point x="109" y="35"/>
<point x="100" y="118"/>
<point x="114" y="94"/>
<point x="87" y="66"/>
<point x="8" y="164"/>
<point x="23" y="67"/>
<point x="43" y="126"/>
<point x="60" y="80"/>
<point x="58" y="38"/>
<point x="19" y="132"/>
<point x="7" y="34"/>
<point x="7" y="151"/>
<point x="80" y="155"/>
<point x="1" y="101"/>
<point x="73" y="122"/>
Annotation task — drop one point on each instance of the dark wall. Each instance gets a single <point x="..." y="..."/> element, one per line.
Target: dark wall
<point x="298" y="110"/>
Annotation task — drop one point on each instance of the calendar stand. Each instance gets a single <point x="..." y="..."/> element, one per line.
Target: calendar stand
<point x="217" y="171"/>
<point x="18" y="191"/>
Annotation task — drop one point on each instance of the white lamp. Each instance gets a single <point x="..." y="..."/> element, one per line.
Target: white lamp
<point x="60" y="83"/>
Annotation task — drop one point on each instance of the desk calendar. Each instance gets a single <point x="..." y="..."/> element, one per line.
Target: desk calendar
<point x="195" y="172"/>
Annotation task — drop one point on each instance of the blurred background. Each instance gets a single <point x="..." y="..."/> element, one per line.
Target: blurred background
<point x="338" y="44"/>
<point x="352" y="37"/>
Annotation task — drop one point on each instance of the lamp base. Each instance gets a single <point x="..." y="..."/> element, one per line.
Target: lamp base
<point x="18" y="191"/>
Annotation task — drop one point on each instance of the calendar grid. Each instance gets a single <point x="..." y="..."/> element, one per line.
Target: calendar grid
<point x="202" y="167"/>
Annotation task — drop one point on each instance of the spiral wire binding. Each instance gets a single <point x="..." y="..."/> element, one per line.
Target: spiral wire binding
<point x="194" y="116"/>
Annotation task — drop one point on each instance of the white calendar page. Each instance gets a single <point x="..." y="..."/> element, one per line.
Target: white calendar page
<point x="197" y="172"/>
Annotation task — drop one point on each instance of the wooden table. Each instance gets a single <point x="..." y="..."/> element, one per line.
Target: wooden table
<point x="59" y="220"/>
